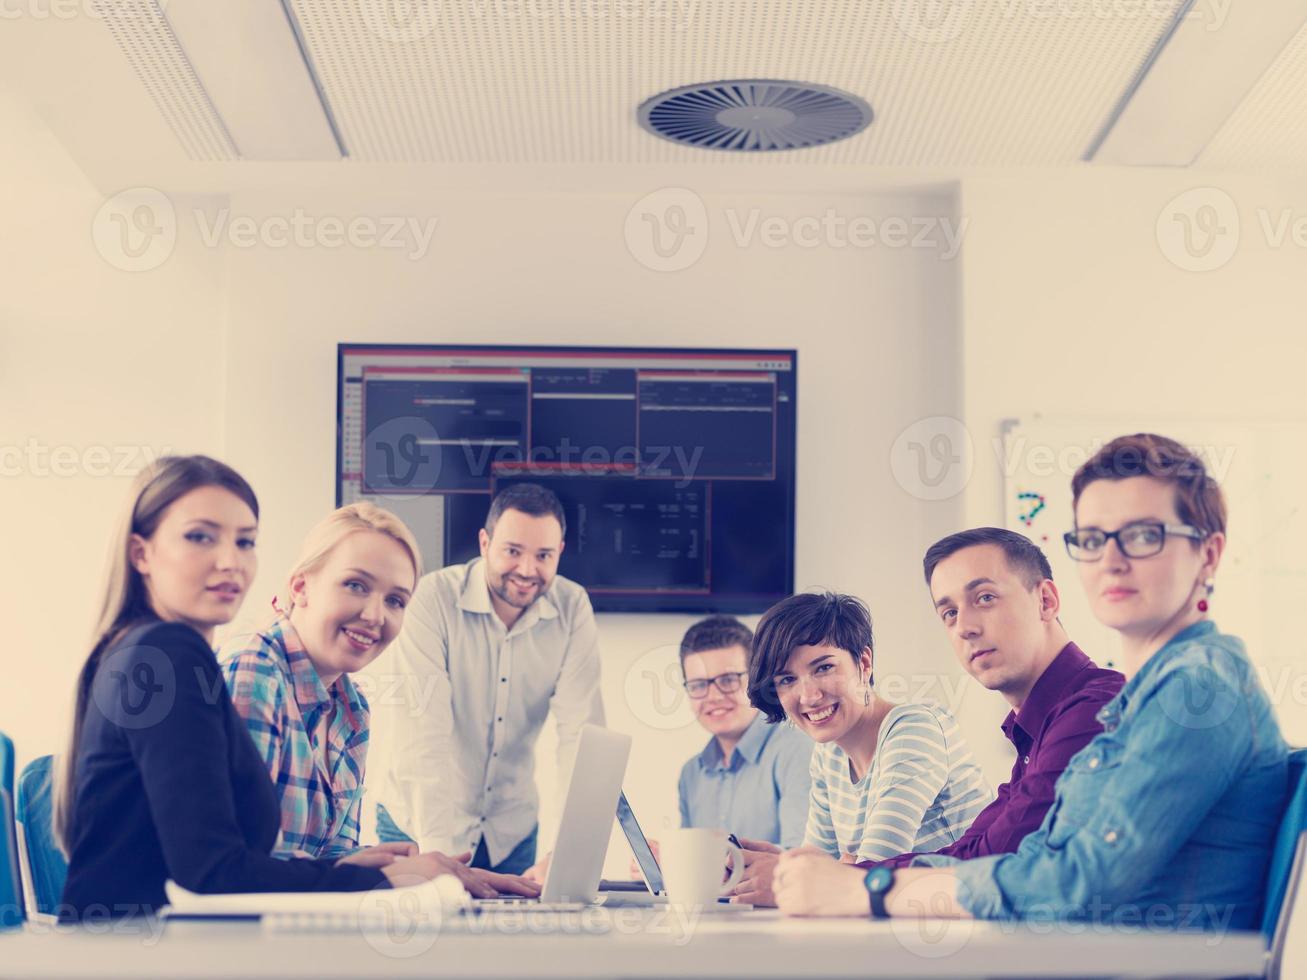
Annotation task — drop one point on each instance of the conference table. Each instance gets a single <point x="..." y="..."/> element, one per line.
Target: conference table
<point x="620" y="943"/>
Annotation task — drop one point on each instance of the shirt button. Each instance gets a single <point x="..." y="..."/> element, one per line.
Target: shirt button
<point x="483" y="819"/>
<point x="1093" y="763"/>
<point x="1026" y="761"/>
<point x="503" y="680"/>
<point x="1110" y="836"/>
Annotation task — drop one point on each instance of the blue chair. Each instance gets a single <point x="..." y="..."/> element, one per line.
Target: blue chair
<point x="1288" y="862"/>
<point x="7" y="764"/>
<point x="35" y="811"/>
<point x="11" y="882"/>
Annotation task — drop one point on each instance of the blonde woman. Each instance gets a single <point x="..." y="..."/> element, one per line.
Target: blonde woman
<point x="162" y="780"/>
<point x="345" y="601"/>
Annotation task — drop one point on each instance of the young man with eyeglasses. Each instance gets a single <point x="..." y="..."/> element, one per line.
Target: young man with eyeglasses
<point x="751" y="778"/>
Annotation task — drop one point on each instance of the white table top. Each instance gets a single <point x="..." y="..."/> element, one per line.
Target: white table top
<point x="626" y="943"/>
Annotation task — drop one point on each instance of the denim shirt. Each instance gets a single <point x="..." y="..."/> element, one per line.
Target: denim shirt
<point x="1165" y="820"/>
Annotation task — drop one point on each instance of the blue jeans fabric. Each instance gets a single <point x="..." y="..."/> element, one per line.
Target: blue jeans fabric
<point x="519" y="859"/>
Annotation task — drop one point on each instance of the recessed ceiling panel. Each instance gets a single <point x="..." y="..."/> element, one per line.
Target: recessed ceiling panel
<point x="951" y="82"/>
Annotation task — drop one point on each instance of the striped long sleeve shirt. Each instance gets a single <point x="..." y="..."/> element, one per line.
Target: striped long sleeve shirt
<point x="921" y="793"/>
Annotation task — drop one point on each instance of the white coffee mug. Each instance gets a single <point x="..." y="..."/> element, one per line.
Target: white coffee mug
<point x="693" y="860"/>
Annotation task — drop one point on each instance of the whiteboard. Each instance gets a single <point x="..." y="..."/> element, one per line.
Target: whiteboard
<point x="1261" y="585"/>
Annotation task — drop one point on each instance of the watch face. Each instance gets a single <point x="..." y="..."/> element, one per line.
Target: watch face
<point x="879" y="879"/>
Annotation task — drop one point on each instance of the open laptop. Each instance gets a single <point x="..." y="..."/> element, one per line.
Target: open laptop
<point x="586" y="823"/>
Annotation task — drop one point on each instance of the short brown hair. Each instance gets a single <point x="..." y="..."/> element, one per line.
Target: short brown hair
<point x="806" y="620"/>
<point x="1023" y="556"/>
<point x="715" y="633"/>
<point x="531" y="499"/>
<point x="1198" y="498"/>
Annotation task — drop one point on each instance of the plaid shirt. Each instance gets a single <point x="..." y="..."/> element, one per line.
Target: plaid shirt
<point x="278" y="692"/>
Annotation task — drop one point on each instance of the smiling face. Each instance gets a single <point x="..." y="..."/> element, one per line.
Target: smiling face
<point x="1143" y="597"/>
<point x="727" y="715"/>
<point x="200" y="561"/>
<point x="348" y="609"/>
<point x="822" y="689"/>
<point x="997" y="624"/>
<point x="521" y="558"/>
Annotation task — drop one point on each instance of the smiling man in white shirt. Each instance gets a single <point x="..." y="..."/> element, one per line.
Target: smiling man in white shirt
<point x="487" y="651"/>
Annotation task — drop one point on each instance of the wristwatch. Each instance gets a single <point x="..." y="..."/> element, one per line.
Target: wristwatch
<point x="878" y="882"/>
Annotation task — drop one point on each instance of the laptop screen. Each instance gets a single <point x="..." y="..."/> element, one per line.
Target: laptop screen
<point x="653" y="876"/>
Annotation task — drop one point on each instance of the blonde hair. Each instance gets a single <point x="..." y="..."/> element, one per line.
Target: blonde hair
<point x="340" y="524"/>
<point x="125" y="600"/>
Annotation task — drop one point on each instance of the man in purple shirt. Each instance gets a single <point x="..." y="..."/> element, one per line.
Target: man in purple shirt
<point x="993" y="591"/>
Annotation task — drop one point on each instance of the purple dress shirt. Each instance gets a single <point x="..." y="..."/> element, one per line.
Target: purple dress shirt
<point x="1057" y="720"/>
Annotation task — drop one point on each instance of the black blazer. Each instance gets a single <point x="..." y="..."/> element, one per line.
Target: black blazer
<point x="170" y="785"/>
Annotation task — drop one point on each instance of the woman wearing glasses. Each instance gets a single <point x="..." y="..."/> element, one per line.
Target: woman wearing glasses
<point x="1168" y="817"/>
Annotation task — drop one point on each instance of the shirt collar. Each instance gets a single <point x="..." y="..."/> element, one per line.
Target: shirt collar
<point x="1051" y="688"/>
<point x="310" y="693"/>
<point x="749" y="747"/>
<point x="475" y="597"/>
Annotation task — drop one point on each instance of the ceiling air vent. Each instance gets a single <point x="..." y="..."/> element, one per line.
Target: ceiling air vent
<point x="755" y="114"/>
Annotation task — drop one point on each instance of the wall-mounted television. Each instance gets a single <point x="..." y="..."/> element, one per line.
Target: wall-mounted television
<point x="675" y="466"/>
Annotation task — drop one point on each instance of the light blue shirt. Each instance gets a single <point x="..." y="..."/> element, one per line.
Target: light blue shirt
<point x="760" y="792"/>
<point x="1165" y="820"/>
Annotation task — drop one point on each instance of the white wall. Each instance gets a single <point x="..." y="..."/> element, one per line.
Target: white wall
<point x="1079" y="305"/>
<point x="875" y="330"/>
<point x="99" y="368"/>
<point x="231" y="350"/>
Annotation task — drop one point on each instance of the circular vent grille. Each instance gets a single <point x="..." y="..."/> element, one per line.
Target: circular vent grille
<point x="755" y="114"/>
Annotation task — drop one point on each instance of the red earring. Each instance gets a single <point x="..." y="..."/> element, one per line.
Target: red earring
<point x="1209" y="585"/>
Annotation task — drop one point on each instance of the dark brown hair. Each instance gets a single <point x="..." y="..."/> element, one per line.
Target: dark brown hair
<point x="1198" y="498"/>
<point x="715" y="633"/>
<point x="804" y="620"/>
<point x="531" y="499"/>
<point x="1023" y="556"/>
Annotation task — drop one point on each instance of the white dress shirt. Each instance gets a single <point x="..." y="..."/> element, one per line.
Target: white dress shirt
<point x="467" y="699"/>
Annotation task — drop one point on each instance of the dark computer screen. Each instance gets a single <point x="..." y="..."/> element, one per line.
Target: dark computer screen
<point x="675" y="466"/>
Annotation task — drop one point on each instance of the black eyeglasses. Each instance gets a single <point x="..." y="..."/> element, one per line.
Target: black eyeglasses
<point x="726" y="683"/>
<point x="1142" y="539"/>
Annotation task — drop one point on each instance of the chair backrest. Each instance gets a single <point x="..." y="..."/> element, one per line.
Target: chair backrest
<point x="35" y="811"/>
<point x="11" y="882"/>
<point x="7" y="764"/>
<point x="1292" y="826"/>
